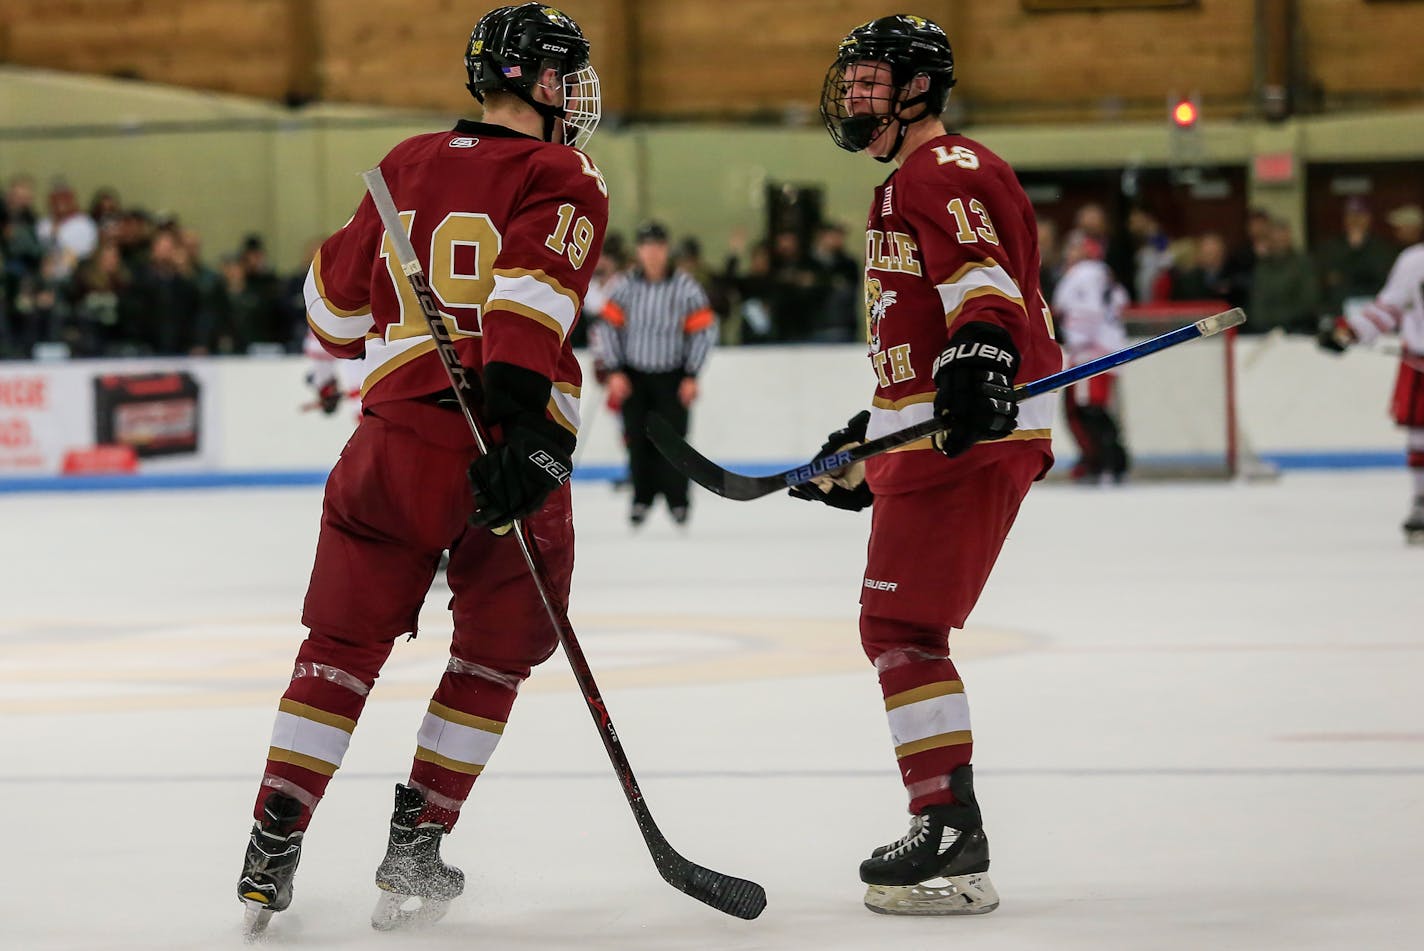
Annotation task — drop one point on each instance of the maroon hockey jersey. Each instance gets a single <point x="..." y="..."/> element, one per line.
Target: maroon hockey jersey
<point x="508" y="229"/>
<point x="951" y="239"/>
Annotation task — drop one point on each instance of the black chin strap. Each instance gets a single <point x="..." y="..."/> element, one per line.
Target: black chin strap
<point x="902" y="126"/>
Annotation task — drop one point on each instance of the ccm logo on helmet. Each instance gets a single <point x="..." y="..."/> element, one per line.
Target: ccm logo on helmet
<point x="964" y="351"/>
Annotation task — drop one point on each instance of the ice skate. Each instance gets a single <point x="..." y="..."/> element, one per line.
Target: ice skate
<point x="416" y="886"/>
<point x="939" y="867"/>
<point x="273" y="851"/>
<point x="1414" y="524"/>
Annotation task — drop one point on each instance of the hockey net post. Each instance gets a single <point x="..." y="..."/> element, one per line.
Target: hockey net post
<point x="1180" y="414"/>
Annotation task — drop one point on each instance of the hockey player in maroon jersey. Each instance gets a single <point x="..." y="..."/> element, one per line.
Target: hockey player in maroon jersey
<point x="955" y="319"/>
<point x="507" y="219"/>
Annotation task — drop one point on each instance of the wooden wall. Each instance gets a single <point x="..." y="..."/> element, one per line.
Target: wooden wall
<point x="727" y="58"/>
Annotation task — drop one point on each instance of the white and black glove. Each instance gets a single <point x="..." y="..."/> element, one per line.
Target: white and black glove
<point x="844" y="488"/>
<point x="974" y="379"/>
<point x="514" y="479"/>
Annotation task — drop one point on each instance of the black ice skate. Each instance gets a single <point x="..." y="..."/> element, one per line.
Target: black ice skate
<point x="412" y="872"/>
<point x="1414" y="524"/>
<point x="270" y="863"/>
<point x="940" y="867"/>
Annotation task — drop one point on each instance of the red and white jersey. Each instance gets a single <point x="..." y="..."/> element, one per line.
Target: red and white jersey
<point x="508" y="229"/>
<point x="1088" y="302"/>
<point x="1399" y="308"/>
<point x="951" y="239"/>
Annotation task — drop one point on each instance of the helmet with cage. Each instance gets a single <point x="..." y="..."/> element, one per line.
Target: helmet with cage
<point x="895" y="69"/>
<point x="512" y="47"/>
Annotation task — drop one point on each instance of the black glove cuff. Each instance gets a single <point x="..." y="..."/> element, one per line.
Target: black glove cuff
<point x="516" y="396"/>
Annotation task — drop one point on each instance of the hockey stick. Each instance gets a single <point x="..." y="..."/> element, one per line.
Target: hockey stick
<point x="732" y="896"/>
<point x="742" y="488"/>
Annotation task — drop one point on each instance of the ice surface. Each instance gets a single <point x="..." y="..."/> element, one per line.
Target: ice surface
<point x="1198" y="719"/>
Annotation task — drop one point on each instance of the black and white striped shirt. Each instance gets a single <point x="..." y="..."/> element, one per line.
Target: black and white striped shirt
<point x="656" y="327"/>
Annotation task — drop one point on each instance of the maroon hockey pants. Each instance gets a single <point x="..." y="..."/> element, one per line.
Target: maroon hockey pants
<point x="395" y="500"/>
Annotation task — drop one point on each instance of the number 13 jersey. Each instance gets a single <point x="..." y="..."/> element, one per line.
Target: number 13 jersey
<point x="508" y="229"/>
<point x="951" y="239"/>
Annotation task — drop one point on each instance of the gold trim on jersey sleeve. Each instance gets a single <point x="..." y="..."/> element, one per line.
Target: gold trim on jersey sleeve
<point x="977" y="279"/>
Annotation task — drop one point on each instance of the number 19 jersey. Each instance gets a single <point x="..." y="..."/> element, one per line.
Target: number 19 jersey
<point x="507" y="228"/>
<point x="951" y="239"/>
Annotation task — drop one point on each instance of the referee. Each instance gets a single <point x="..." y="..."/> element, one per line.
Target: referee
<point x="657" y="329"/>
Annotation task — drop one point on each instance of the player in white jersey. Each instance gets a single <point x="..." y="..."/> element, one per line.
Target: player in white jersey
<point x="1399" y="308"/>
<point x="1088" y="302"/>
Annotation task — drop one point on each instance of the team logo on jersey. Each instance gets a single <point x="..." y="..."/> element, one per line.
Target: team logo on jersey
<point x="877" y="302"/>
<point x="464" y="142"/>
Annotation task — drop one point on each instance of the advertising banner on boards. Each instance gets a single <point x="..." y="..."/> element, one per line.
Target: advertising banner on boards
<point x="108" y="417"/>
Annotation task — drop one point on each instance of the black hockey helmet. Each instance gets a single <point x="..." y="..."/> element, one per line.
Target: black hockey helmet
<point x="509" y="49"/>
<point x="910" y="46"/>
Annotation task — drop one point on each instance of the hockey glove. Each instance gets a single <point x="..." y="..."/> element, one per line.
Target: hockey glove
<point x="328" y="392"/>
<point x="974" y="382"/>
<point x="844" y="488"/>
<point x="1334" y="335"/>
<point x="514" y="479"/>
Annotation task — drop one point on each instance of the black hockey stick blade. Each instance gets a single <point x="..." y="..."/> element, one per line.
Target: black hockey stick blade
<point x="742" y="488"/>
<point x="726" y="893"/>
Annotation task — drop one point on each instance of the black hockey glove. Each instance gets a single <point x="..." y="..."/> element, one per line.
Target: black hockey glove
<point x="1334" y="335"/>
<point x="975" y="391"/>
<point x="515" y="478"/>
<point x="328" y="393"/>
<point x="844" y="488"/>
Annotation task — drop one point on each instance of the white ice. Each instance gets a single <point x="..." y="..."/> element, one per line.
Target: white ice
<point x="1198" y="710"/>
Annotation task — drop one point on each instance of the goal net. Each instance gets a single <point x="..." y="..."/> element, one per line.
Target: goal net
<point x="1176" y="408"/>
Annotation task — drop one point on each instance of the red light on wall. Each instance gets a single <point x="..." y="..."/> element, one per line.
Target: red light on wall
<point x="1184" y="114"/>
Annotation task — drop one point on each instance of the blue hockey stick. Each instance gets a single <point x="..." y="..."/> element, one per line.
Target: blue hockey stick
<point x="739" y="487"/>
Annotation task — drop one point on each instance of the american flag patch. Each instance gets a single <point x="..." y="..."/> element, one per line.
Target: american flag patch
<point x="885" y="206"/>
<point x="513" y="72"/>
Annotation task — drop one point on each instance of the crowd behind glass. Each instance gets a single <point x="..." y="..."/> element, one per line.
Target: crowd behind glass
<point x="105" y="279"/>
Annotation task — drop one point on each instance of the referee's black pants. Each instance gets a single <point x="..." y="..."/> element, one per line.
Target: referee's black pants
<point x="653" y="475"/>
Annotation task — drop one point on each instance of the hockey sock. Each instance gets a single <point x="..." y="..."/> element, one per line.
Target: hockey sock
<point x="461" y="728"/>
<point x="316" y="717"/>
<point x="925" y="704"/>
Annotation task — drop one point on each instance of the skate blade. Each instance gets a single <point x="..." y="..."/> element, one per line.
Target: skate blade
<point x="392" y="914"/>
<point x="255" y="917"/>
<point x="960" y="895"/>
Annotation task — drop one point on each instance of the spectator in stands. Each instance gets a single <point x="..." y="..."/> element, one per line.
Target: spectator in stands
<point x="104" y="208"/>
<point x="1407" y="222"/>
<point x="167" y="300"/>
<point x="21" y="254"/>
<point x="1152" y="257"/>
<point x="255" y="310"/>
<point x="135" y="234"/>
<point x="99" y="301"/>
<point x="67" y="234"/>
<point x="795" y="300"/>
<point x="210" y="290"/>
<point x="1284" y="292"/>
<point x="837" y="283"/>
<point x="1241" y="262"/>
<point x="1356" y="262"/>
<point x="1207" y="277"/>
<point x="757" y="295"/>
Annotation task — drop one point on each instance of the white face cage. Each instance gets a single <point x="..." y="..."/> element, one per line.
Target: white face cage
<point x="583" y="106"/>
